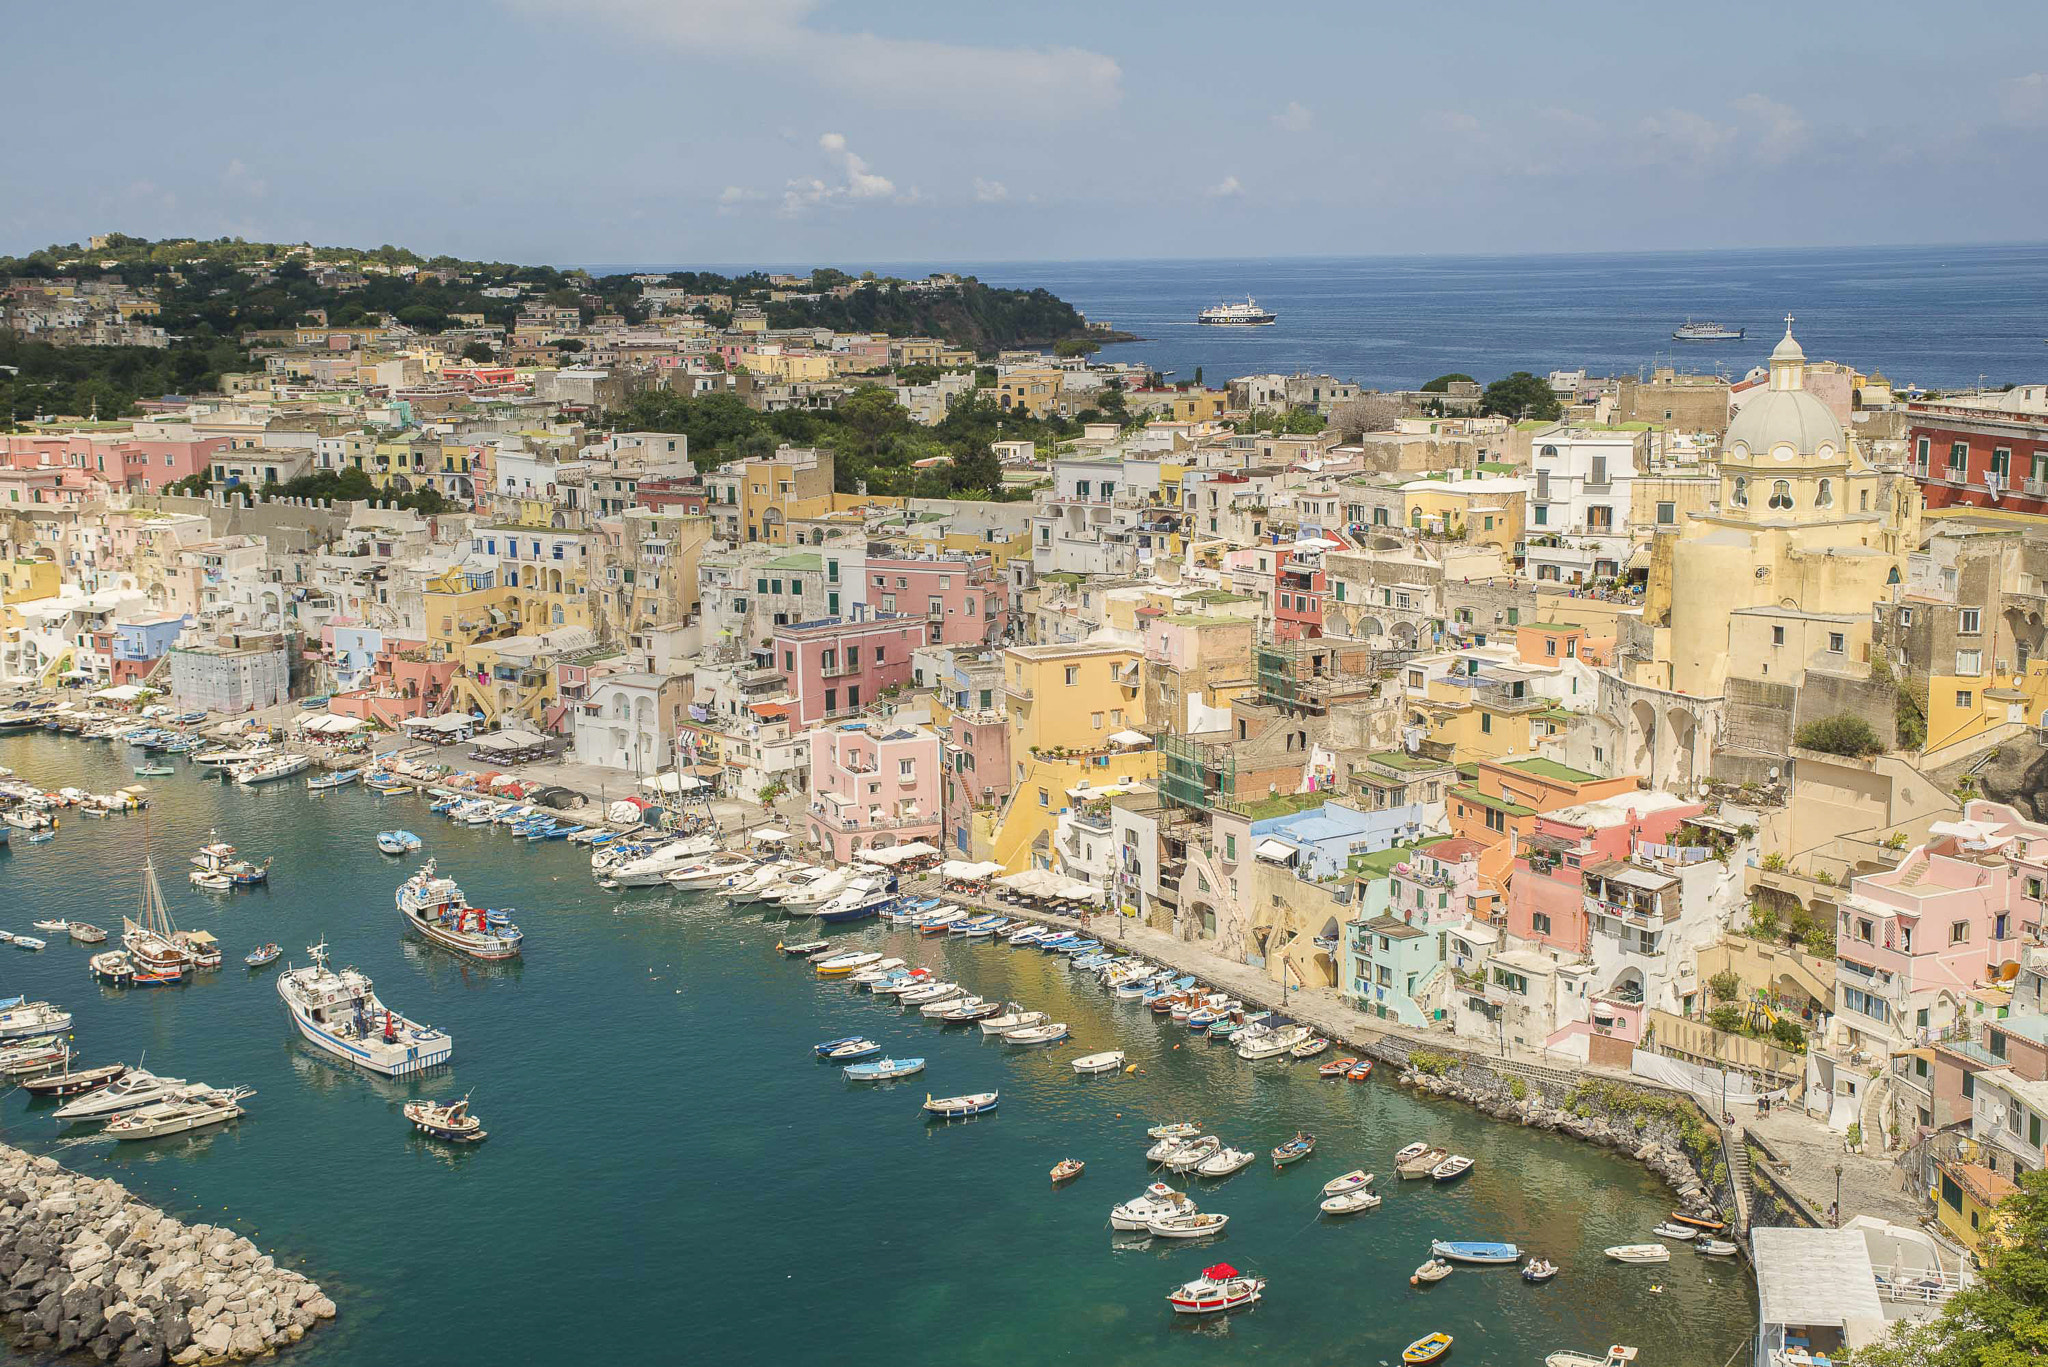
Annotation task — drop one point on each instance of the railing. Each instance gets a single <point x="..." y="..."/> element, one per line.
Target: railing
<point x="838" y="670"/>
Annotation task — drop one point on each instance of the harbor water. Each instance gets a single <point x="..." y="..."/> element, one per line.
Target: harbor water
<point x="670" y="1171"/>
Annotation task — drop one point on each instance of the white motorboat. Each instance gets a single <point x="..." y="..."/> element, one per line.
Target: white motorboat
<point x="1052" y="1032"/>
<point x="1358" y="1179"/>
<point x="875" y="972"/>
<point x="1199" y="1226"/>
<point x="20" y="1018"/>
<point x="1224" y="1162"/>
<point x="654" y="867"/>
<point x="1683" y="1233"/>
<point x="805" y="887"/>
<point x="233" y="759"/>
<point x="340" y="1014"/>
<point x="139" y="1087"/>
<point x="839" y="965"/>
<point x="1349" y="1203"/>
<point x="1717" y="1248"/>
<point x="929" y="992"/>
<point x="1107" y="1062"/>
<point x="1180" y="1129"/>
<point x="1015" y="1018"/>
<point x="968" y="1009"/>
<point x="435" y="909"/>
<point x="751" y="885"/>
<point x="1639" y="1253"/>
<point x="193" y="1110"/>
<point x="1219" y="1289"/>
<point x="714" y="870"/>
<point x="270" y="770"/>
<point x="1271" y="1043"/>
<point x="1189" y="1154"/>
<point x="1154" y="1203"/>
<point x="948" y="1005"/>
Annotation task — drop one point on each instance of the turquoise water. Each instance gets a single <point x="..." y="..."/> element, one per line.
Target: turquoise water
<point x="671" y="1172"/>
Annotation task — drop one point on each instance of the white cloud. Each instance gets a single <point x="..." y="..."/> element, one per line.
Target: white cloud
<point x="859" y="182"/>
<point x="1227" y="188"/>
<point x="2024" y="99"/>
<point x="733" y="196"/>
<point x="990" y="191"/>
<point x="1295" y="118"/>
<point x="243" y="181"/>
<point x="1781" y="129"/>
<point x="963" y="79"/>
<point x="1680" y="137"/>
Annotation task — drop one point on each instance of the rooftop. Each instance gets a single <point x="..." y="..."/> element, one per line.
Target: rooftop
<point x="1539" y="767"/>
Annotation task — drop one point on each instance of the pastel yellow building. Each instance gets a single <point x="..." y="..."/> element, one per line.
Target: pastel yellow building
<point x="1067" y="704"/>
<point x="25" y="580"/>
<point x="755" y="499"/>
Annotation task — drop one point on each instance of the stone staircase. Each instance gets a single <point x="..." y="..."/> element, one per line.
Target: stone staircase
<point x="1871" y="1117"/>
<point x="1913" y="874"/>
<point x="1736" y="1154"/>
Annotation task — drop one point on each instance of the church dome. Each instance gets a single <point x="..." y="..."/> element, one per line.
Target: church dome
<point x="1785" y="414"/>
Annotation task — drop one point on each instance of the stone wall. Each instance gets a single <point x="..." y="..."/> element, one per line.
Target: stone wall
<point x="87" y="1267"/>
<point x="1758" y="717"/>
<point x="1833" y="695"/>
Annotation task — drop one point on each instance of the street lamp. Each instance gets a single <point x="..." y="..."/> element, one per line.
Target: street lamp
<point x="1838" y="1196"/>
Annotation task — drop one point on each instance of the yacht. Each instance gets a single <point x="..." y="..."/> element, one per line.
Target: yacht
<point x="715" y="870"/>
<point x="139" y="1087"/>
<point x="860" y="899"/>
<point x="654" y="867"/>
<point x="340" y="1013"/>
<point x="196" y="1109"/>
<point x="230" y="759"/>
<point x="1247" y="314"/>
<point x="806" y="895"/>
<point x="270" y="770"/>
<point x="435" y="909"/>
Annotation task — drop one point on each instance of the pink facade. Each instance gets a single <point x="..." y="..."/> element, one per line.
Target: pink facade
<point x="1546" y="895"/>
<point x="962" y="599"/>
<point x="834" y="667"/>
<point x="978" y="772"/>
<point x="1298" y="590"/>
<point x="139" y="465"/>
<point x="872" y="787"/>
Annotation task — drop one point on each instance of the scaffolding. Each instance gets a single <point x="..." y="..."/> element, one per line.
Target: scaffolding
<point x="1304" y="677"/>
<point x="1195" y="774"/>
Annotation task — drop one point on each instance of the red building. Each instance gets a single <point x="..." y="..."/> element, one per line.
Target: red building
<point x="670" y="495"/>
<point x="835" y="666"/>
<point x="1546" y="896"/>
<point x="1982" y="450"/>
<point x="1299" y="587"/>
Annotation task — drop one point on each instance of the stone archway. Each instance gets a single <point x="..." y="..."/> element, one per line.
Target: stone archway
<point x="1642" y="737"/>
<point x="1683" y="731"/>
<point x="1404" y="636"/>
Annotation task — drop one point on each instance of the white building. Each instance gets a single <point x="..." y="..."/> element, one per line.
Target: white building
<point x="1577" y="527"/>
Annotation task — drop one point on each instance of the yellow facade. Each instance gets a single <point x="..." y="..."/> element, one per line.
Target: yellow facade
<point x="1029" y="389"/>
<point x="1478" y="729"/>
<point x="27" y="581"/>
<point x="1064" y="703"/>
<point x="1484" y="517"/>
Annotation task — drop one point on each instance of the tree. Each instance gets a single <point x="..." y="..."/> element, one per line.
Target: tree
<point x="2001" y="1319"/>
<point x="479" y="351"/>
<point x="1789" y="1033"/>
<point x="1724" y="985"/>
<point x="567" y="344"/>
<point x="1355" y="417"/>
<point x="1842" y="734"/>
<point x="1521" y="395"/>
<point x="1726" y="1018"/>
<point x="1075" y="346"/>
<point x="1442" y="383"/>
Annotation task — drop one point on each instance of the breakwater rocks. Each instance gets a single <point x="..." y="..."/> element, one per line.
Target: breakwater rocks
<point x="87" y="1267"/>
<point x="1660" y="1132"/>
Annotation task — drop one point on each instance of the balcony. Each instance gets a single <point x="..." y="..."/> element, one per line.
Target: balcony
<point x="838" y="669"/>
<point x="2036" y="488"/>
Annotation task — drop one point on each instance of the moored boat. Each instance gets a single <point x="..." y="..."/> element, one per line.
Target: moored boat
<point x="86" y="933"/>
<point x="1639" y="1253"/>
<point x="1309" y="1047"/>
<point x="1099" y="1063"/>
<point x="1430" y="1273"/>
<point x="193" y="1110"/>
<point x="1294" y="1150"/>
<point x="882" y="1069"/>
<point x="1356" y="1180"/>
<point x="339" y="1013"/>
<point x="1539" y="1270"/>
<point x="1717" y="1248"/>
<point x="1154" y="1202"/>
<point x="1349" y="1203"/>
<point x="451" y="1122"/>
<point x="852" y="1050"/>
<point x="1428" y="1348"/>
<point x="1336" y="1067"/>
<point x="327" y="783"/>
<point x="1225" y="1161"/>
<point x="1051" y="1032"/>
<point x="262" y="955"/>
<point x="21" y="1018"/>
<point x="75" y="1083"/>
<point x="1219" y="1289"/>
<point x="1619" y="1355"/>
<point x="1452" y="1168"/>
<point x="1475" y="1251"/>
<point x="1066" y="1170"/>
<point x="797" y="949"/>
<point x="1420" y="1165"/>
<point x="435" y="909"/>
<point x="1200" y="1226"/>
<point x="956" y="1107"/>
<point x="136" y="1087"/>
<point x="397" y="842"/>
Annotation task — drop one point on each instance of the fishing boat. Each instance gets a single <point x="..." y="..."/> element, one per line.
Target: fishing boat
<point x="381" y="782"/>
<point x="1639" y="1253"/>
<point x="217" y="860"/>
<point x="137" y="1087"/>
<point x="1219" y="1289"/>
<point x="1155" y="1202"/>
<point x="929" y="992"/>
<point x="451" y="1122"/>
<point x="37" y="1055"/>
<point x="1539" y="1270"/>
<point x="1186" y="1156"/>
<point x="1099" y="1063"/>
<point x="901" y="985"/>
<point x="1066" y="1170"/>
<point x="1430" y="1273"/>
<point x="1475" y="1251"/>
<point x="271" y="770"/>
<point x="181" y="1115"/>
<point x="154" y="771"/>
<point x="1309" y="1047"/>
<point x="1336" y="1067"/>
<point x="1349" y="1203"/>
<point x="797" y="949"/>
<point x="1014" y="1017"/>
<point x="1294" y="1150"/>
<point x="1359" y="1071"/>
<point x="211" y="882"/>
<point x="21" y="1018"/>
<point x="839" y="965"/>
<point x="1428" y="1348"/>
<point x="882" y="1069"/>
<point x="75" y="1083"/>
<point x="435" y="909"/>
<point x="114" y="966"/>
<point x="956" y="1107"/>
<point x="970" y="1009"/>
<point x="1356" y="1180"/>
<point x="86" y="933"/>
<point x="1052" y="1032"/>
<point x="1202" y="1226"/>
<point x="1617" y="1356"/>
<point x="262" y="955"/>
<point x="1717" y="1248"/>
<point x="339" y="1013"/>
<point x="397" y="842"/>
<point x="340" y="778"/>
<point x="1452" y="1168"/>
<point x="1419" y="1165"/>
<point x="1682" y="1233"/>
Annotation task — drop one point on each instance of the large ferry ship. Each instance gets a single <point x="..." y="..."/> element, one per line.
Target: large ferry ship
<point x="1689" y="331"/>
<point x="1247" y="314"/>
<point x="340" y="1013"/>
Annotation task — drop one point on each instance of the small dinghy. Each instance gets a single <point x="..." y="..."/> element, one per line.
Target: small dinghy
<point x="955" y="1107"/>
<point x="1683" y="1233"/>
<point x="1183" y="1129"/>
<point x="1639" y="1253"/>
<point x="1712" y="1248"/>
<point x="1099" y="1063"/>
<point x="799" y="950"/>
<point x="397" y="842"/>
<point x="1428" y="1348"/>
<point x="212" y="882"/>
<point x="1224" y="1162"/>
<point x="1539" y="1270"/>
<point x="1451" y="1169"/>
<point x="1350" y="1203"/>
<point x="1422" y="1164"/>
<point x="50" y="925"/>
<point x="1294" y="1150"/>
<point x="28" y="942"/>
<point x="452" y="1122"/>
<point x="154" y="771"/>
<point x="86" y="933"/>
<point x="1359" y="1071"/>
<point x="1191" y="1154"/>
<point x="1355" y="1180"/>
<point x="1337" y="1067"/>
<point x="1066" y="1170"/>
<point x="1050" y="1033"/>
<point x="882" y="1069"/>
<point x="1200" y="1226"/>
<point x="1310" y="1047"/>
<point x="256" y="958"/>
<point x="825" y="1047"/>
<point x="1617" y="1355"/>
<point x="1219" y="1289"/>
<point x="1430" y="1273"/>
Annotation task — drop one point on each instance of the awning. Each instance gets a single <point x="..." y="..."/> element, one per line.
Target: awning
<point x="1034" y="883"/>
<point x="961" y="871"/>
<point x="124" y="693"/>
<point x="671" y="783"/>
<point x="326" y="724"/>
<point x="1274" y="849"/>
<point x="889" y="856"/>
<point x="1640" y="560"/>
<point x="1130" y="738"/>
<point x="770" y="837"/>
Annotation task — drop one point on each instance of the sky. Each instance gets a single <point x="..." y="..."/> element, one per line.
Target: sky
<point x="821" y="131"/>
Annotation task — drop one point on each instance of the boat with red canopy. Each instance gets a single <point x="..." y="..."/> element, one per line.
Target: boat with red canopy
<point x="1220" y="1288"/>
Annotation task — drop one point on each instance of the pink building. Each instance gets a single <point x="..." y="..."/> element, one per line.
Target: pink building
<point x="872" y="787"/>
<point x="978" y="771"/>
<point x="140" y="465"/>
<point x="835" y="666"/>
<point x="1547" y="893"/>
<point x="962" y="599"/>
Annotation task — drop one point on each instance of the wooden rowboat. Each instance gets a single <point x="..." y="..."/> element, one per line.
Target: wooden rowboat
<point x="1066" y="1169"/>
<point x="1427" y="1349"/>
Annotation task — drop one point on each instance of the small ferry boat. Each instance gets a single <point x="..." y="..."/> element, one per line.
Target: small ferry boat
<point x="1219" y="1289"/>
<point x="435" y="909"/>
<point x="882" y="1069"/>
<point x="1475" y="1251"/>
<point x="181" y="1115"/>
<point x="451" y="1122"/>
<point x="1428" y="1348"/>
<point x="1247" y="314"/>
<point x="339" y="1013"/>
<point x="398" y="842"/>
<point x="1689" y="331"/>
<point x="956" y="1107"/>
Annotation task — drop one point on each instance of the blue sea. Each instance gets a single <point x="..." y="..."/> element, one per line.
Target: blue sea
<point x="672" y="1176"/>
<point x="1934" y="316"/>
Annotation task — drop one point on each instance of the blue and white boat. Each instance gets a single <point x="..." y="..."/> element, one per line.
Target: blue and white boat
<point x="1077" y="947"/>
<point x="882" y="1069"/>
<point x="824" y="1047"/>
<point x="1052" y="944"/>
<point x="1472" y="1251"/>
<point x="339" y="1013"/>
<point x="340" y="778"/>
<point x="862" y="898"/>
<point x="854" y="1049"/>
<point x="398" y="842"/>
<point x="955" y="1107"/>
